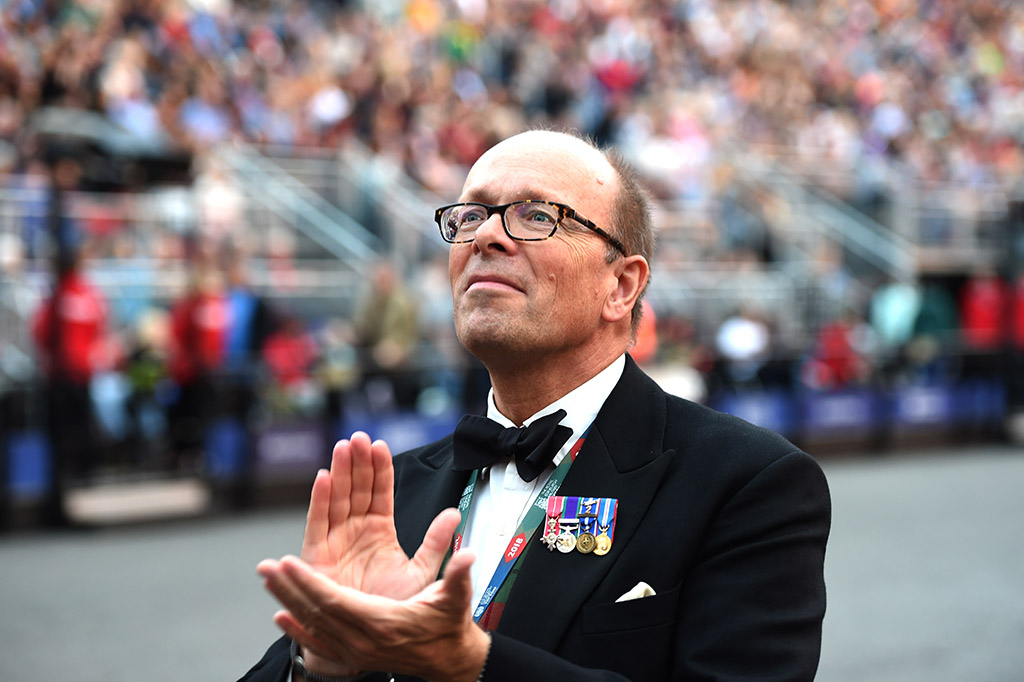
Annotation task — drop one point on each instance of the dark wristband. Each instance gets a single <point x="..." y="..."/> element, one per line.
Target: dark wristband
<point x="299" y="668"/>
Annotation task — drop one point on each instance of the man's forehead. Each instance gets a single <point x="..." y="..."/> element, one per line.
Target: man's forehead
<point x="538" y="165"/>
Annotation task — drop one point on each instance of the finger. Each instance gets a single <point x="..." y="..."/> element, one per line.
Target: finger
<point x="286" y="590"/>
<point x="383" y="500"/>
<point x="314" y="588"/>
<point x="317" y="520"/>
<point x="362" y="474"/>
<point x="314" y="599"/>
<point x="266" y="567"/>
<point x="333" y="647"/>
<point x="293" y="628"/>
<point x="341" y="483"/>
<point x="436" y="542"/>
<point x="457" y="584"/>
<point x="336" y="641"/>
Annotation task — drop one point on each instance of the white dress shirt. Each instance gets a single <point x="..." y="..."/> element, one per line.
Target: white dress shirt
<point x="502" y="498"/>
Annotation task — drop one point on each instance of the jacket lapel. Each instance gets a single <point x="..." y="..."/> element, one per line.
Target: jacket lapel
<point x="430" y="486"/>
<point x="621" y="458"/>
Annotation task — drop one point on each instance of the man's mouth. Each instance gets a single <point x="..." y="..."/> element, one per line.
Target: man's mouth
<point x="493" y="282"/>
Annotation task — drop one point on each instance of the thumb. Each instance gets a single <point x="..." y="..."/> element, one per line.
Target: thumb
<point x="457" y="585"/>
<point x="436" y="542"/>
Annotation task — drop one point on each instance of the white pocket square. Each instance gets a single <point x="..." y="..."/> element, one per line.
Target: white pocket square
<point x="640" y="591"/>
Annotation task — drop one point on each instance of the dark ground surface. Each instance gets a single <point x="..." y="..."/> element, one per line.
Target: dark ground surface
<point x="925" y="577"/>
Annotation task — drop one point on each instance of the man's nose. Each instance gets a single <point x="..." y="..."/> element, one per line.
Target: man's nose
<point x="491" y="234"/>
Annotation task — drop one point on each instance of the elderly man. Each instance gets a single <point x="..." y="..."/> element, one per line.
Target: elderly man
<point x="619" y="533"/>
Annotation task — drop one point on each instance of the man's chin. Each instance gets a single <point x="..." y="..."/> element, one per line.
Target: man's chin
<point x="487" y="340"/>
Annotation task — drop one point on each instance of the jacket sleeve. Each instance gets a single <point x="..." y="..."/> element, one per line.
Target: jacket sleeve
<point x="274" y="666"/>
<point x="512" y="661"/>
<point x="754" y="602"/>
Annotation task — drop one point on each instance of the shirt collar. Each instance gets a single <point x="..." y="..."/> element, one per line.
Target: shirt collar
<point x="581" y="405"/>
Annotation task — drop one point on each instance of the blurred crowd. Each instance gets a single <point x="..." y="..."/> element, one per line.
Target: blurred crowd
<point x="868" y="96"/>
<point x="877" y="92"/>
<point x="934" y="88"/>
<point x="148" y="395"/>
<point x="908" y="333"/>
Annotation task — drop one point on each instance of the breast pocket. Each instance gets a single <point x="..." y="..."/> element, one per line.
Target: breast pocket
<point x="635" y="614"/>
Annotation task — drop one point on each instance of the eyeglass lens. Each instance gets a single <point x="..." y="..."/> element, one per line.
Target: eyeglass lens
<point x="524" y="220"/>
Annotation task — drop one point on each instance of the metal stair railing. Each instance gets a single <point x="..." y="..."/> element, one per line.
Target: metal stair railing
<point x="954" y="226"/>
<point x="19" y="297"/>
<point x="407" y="205"/>
<point x="310" y="214"/>
<point x="371" y="189"/>
<point x="815" y="214"/>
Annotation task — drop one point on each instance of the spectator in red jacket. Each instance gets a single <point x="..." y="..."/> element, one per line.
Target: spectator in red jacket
<point x="69" y="327"/>
<point x="199" y="323"/>
<point x="289" y="354"/>
<point x="984" y="300"/>
<point x="1018" y="314"/>
<point x="839" y="360"/>
<point x="68" y="331"/>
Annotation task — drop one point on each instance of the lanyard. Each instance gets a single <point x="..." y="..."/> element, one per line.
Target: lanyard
<point x="518" y="545"/>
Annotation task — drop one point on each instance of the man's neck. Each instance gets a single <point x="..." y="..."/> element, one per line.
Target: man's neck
<point x="521" y="391"/>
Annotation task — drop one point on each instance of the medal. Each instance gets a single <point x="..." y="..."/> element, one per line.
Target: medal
<point x="586" y="541"/>
<point x="582" y="524"/>
<point x="605" y="523"/>
<point x="569" y="524"/>
<point x="550" y="535"/>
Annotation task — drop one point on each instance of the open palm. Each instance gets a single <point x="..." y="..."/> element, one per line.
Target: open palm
<point x="350" y="532"/>
<point x="350" y="528"/>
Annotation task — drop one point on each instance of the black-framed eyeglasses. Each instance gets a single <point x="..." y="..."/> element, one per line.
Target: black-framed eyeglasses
<point x="530" y="220"/>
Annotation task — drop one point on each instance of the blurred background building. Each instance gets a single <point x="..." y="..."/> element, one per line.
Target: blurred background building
<point x="217" y="252"/>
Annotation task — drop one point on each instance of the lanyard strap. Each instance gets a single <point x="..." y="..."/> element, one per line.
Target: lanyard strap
<point x="533" y="519"/>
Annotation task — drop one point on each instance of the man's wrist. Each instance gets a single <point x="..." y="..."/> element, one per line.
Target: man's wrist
<point x="483" y="669"/>
<point x="474" y="657"/>
<point x="300" y="672"/>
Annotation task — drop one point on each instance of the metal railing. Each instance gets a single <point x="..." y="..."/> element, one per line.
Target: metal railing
<point x="816" y="216"/>
<point x="948" y="227"/>
<point x="265" y="183"/>
<point x="375" y="191"/>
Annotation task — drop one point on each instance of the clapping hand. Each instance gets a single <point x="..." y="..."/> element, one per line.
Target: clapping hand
<point x="355" y="600"/>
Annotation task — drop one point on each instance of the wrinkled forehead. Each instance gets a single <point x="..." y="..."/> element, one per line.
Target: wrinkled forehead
<point x="544" y="165"/>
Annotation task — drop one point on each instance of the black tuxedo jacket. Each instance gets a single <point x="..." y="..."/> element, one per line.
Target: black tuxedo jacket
<point x="726" y="521"/>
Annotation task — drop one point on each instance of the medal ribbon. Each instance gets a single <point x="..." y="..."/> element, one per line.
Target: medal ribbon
<point x="555" y="506"/>
<point x="570" y="524"/>
<point x="606" y="522"/>
<point x="588" y="514"/>
<point x="534" y="518"/>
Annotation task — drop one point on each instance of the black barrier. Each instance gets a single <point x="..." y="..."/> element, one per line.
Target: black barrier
<point x="245" y="458"/>
<point x="873" y="418"/>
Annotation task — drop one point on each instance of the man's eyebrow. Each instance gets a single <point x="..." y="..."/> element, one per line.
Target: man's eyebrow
<point x="488" y="196"/>
<point x="480" y="196"/>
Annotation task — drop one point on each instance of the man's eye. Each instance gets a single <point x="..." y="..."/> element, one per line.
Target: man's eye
<point x="537" y="216"/>
<point x="471" y="217"/>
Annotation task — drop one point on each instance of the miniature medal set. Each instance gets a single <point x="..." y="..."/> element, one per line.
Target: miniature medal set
<point x="583" y="524"/>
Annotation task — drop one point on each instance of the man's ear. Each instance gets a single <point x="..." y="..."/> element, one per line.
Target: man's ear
<point x="631" y="275"/>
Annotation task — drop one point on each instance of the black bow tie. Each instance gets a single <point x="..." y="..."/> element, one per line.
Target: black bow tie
<point x="480" y="442"/>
